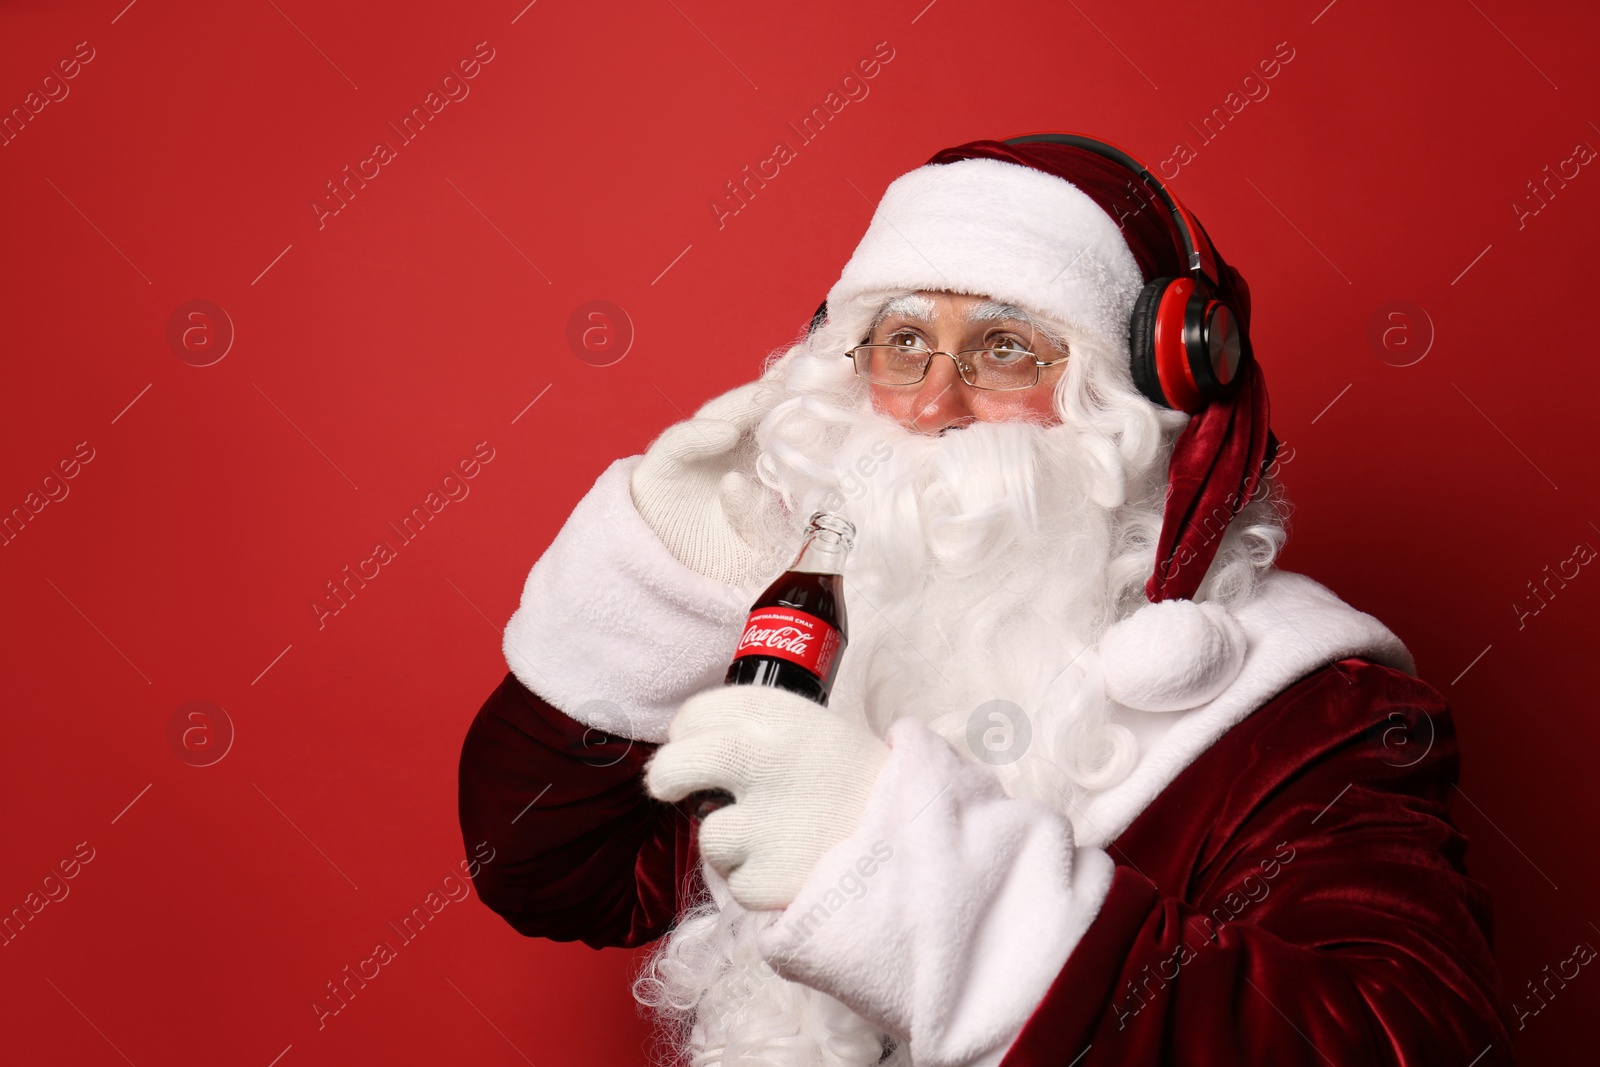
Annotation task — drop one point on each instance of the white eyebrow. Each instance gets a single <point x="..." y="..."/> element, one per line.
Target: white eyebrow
<point x="917" y="306"/>
<point x="992" y="310"/>
<point x="910" y="305"/>
<point x="985" y="310"/>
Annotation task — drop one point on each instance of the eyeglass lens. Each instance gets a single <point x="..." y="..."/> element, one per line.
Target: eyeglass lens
<point x="982" y="369"/>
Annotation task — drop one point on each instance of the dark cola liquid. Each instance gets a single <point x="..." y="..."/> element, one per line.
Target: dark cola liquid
<point x="819" y="595"/>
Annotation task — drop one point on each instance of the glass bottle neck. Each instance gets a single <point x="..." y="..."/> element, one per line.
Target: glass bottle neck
<point x="823" y="553"/>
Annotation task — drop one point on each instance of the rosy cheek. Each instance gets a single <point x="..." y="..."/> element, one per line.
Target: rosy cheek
<point x="888" y="404"/>
<point x="1002" y="407"/>
<point x="1038" y="406"/>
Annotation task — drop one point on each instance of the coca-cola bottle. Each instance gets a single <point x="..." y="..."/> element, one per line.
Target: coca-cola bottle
<point x="796" y="630"/>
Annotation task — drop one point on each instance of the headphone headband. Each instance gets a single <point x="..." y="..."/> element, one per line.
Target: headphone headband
<point x="1198" y="254"/>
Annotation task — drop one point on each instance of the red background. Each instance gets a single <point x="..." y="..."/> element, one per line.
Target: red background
<point x="373" y="353"/>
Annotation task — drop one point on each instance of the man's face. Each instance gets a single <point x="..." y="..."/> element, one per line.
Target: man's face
<point x="957" y="322"/>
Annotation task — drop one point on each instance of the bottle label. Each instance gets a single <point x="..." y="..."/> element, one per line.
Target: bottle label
<point x="796" y="636"/>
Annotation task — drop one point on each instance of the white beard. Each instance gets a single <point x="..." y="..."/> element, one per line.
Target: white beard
<point x="987" y="562"/>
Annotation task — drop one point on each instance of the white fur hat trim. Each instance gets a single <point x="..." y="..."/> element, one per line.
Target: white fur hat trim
<point x="999" y="229"/>
<point x="1172" y="655"/>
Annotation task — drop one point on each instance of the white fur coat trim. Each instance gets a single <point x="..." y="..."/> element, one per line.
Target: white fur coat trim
<point x="948" y="913"/>
<point x="614" y="631"/>
<point x="1000" y="229"/>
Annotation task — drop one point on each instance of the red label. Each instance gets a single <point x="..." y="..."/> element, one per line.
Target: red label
<point x="796" y="636"/>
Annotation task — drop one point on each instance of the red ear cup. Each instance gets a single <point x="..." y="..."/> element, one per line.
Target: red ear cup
<point x="1168" y="351"/>
<point x="1184" y="347"/>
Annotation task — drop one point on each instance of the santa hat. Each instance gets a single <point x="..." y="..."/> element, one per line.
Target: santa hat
<point x="1064" y="232"/>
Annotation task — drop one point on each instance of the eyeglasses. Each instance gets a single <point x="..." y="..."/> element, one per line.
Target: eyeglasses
<point x="1000" y="369"/>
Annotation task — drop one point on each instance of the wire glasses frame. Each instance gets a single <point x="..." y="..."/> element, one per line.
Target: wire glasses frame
<point x="878" y="364"/>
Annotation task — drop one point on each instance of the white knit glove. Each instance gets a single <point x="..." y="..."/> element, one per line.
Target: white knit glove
<point x="799" y="772"/>
<point x="690" y="488"/>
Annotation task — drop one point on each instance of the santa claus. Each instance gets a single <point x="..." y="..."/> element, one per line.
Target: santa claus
<point x="1096" y="784"/>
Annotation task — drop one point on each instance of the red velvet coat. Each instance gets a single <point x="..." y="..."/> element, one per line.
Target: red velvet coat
<point x="1296" y="895"/>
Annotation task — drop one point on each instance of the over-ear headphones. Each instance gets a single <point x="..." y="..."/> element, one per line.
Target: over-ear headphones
<point x="1186" y="346"/>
